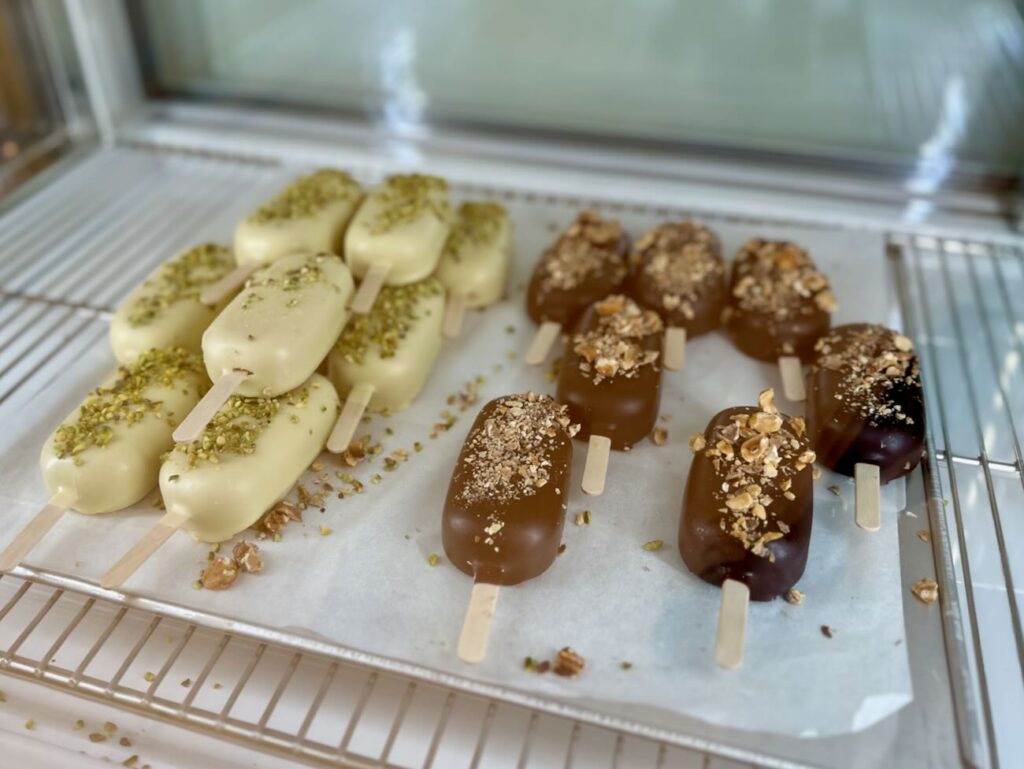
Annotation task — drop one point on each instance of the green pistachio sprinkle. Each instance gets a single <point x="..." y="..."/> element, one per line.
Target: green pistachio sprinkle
<point x="310" y="272"/>
<point x="476" y="224"/>
<point x="308" y="196"/>
<point x="386" y="325"/>
<point x="404" y="197"/>
<point x="236" y="428"/>
<point x="179" y="279"/>
<point x="125" y="401"/>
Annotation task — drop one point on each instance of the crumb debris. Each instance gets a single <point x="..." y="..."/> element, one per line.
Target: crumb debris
<point x="569" y="663"/>
<point x="835" y="490"/>
<point x="30" y="724"/>
<point x="275" y="519"/>
<point x="827" y="631"/>
<point x="97" y="737"/>
<point x="219" y="574"/>
<point x="794" y="596"/>
<point x="653" y="545"/>
<point x="926" y="590"/>
<point x="582" y="519"/>
<point x="924" y="535"/>
<point x="659" y="436"/>
<point x="625" y="665"/>
<point x="433" y="560"/>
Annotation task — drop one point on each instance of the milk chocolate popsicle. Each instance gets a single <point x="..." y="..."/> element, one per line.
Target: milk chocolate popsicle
<point x="585" y="263"/>
<point x="779" y="305"/>
<point x="505" y="510"/>
<point x="611" y="380"/>
<point x="748" y="510"/>
<point x="678" y="272"/>
<point x="865" y="411"/>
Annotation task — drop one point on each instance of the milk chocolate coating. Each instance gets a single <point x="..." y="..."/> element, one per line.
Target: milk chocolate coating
<point x="530" y="534"/>
<point x="791" y="328"/>
<point x="705" y="300"/>
<point x="864" y="427"/>
<point x="546" y="302"/>
<point x="714" y="555"/>
<point x="623" y="409"/>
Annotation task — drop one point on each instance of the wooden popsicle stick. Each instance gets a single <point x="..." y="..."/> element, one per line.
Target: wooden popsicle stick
<point x="596" y="467"/>
<point x="867" y="496"/>
<point x="542" y="341"/>
<point x="476" y="627"/>
<point x="143" y="549"/>
<point x="792" y="372"/>
<point x="373" y="282"/>
<point x="31" y="535"/>
<point x="229" y="284"/>
<point x="454" y="312"/>
<point x="192" y="426"/>
<point x="675" y="348"/>
<point x="732" y="624"/>
<point x="348" y="421"/>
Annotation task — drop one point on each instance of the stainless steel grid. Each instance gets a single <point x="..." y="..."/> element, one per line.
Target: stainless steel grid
<point x="69" y="256"/>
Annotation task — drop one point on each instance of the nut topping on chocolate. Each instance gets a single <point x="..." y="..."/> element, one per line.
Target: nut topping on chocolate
<point x="779" y="276"/>
<point x="509" y="455"/>
<point x="613" y="348"/>
<point x="872" y="361"/>
<point x="587" y="246"/>
<point x="757" y="456"/>
<point x="681" y="258"/>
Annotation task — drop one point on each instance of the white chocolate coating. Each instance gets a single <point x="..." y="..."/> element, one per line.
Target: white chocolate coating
<point x="402" y="225"/>
<point x="104" y="478"/>
<point x="398" y="369"/>
<point x="475" y="259"/>
<point x="165" y="310"/>
<point x="281" y="325"/>
<point x="225" y="497"/>
<point x="310" y="214"/>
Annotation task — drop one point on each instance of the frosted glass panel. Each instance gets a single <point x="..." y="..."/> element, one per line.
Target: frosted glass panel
<point x="939" y="82"/>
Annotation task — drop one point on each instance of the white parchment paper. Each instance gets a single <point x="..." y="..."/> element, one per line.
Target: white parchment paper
<point x="368" y="585"/>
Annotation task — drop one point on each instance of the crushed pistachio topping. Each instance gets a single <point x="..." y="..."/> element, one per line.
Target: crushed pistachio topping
<point x="405" y="197"/>
<point x="290" y="281"/>
<point x="871" y="361"/>
<point x="591" y="245"/>
<point x="756" y="455"/>
<point x="126" y="401"/>
<point x="477" y="224"/>
<point x="778" y="278"/>
<point x="179" y="279"/>
<point x="386" y="326"/>
<point x="682" y="260"/>
<point x="614" y="347"/>
<point x="509" y="456"/>
<point x="236" y="428"/>
<point x="308" y="196"/>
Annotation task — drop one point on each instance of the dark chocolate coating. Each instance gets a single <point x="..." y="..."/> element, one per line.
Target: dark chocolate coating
<point x="768" y="335"/>
<point x="715" y="556"/>
<point x="709" y="297"/>
<point x="842" y="435"/>
<point x="564" y="306"/>
<point x="528" y="542"/>
<point x="622" y="409"/>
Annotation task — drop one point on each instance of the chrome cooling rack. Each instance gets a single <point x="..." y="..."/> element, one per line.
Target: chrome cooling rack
<point x="75" y="248"/>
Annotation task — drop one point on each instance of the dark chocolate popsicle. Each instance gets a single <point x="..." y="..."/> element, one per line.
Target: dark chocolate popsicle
<point x="585" y="263"/>
<point x="505" y="509"/>
<point x="865" y="403"/>
<point x="749" y="501"/>
<point x="679" y="273"/>
<point x="610" y="377"/>
<point x="779" y="303"/>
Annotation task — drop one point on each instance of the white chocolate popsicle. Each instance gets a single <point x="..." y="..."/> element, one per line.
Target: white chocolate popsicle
<point x="400" y="229"/>
<point x="165" y="311"/>
<point x="475" y="259"/>
<point x="247" y="459"/>
<point x="281" y="326"/>
<point x="392" y="348"/>
<point x="311" y="214"/>
<point x="106" y="455"/>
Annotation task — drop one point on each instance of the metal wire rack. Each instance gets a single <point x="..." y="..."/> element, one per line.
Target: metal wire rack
<point x="80" y="246"/>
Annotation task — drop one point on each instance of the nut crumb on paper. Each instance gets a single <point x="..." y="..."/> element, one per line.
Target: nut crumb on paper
<point x="827" y="631"/>
<point x="924" y="535"/>
<point x="569" y="663"/>
<point x="794" y="596"/>
<point x="659" y="436"/>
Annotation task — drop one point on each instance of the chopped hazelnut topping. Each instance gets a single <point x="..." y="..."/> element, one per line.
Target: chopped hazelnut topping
<point x="871" y="361"/>
<point x="247" y="556"/>
<point x="276" y="519"/>
<point x="779" y="278"/>
<point x="590" y="244"/>
<point x="659" y="436"/>
<point x="926" y="590"/>
<point x="794" y="596"/>
<point x="220" y="573"/>
<point x="614" y="348"/>
<point x="681" y="259"/>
